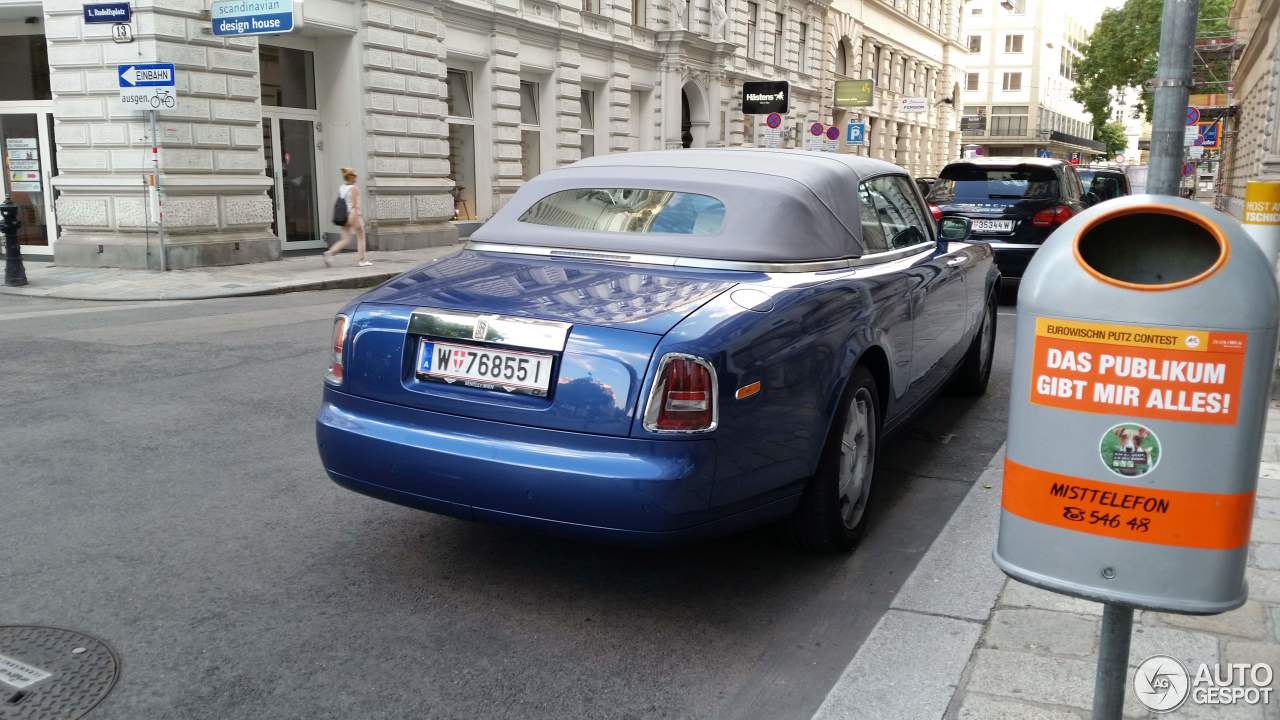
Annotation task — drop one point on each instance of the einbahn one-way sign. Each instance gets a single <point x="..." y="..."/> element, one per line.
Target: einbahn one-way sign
<point x="147" y="86"/>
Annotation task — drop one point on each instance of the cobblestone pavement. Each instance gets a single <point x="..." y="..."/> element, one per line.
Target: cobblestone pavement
<point x="291" y="274"/>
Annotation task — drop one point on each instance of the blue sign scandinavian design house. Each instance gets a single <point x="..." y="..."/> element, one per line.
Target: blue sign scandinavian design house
<point x="117" y="12"/>
<point x="252" y="17"/>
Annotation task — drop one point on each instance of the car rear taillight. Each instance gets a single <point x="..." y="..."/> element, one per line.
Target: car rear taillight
<point x="937" y="213"/>
<point x="683" y="398"/>
<point x="339" y="340"/>
<point x="1052" y="217"/>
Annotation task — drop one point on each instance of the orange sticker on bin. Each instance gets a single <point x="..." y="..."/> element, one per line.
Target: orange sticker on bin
<point x="1209" y="521"/>
<point x="1133" y="371"/>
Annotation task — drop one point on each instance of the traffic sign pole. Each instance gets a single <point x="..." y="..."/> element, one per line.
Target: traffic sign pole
<point x="155" y="185"/>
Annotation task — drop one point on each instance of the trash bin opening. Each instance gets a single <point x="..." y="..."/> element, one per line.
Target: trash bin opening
<point x="1152" y="248"/>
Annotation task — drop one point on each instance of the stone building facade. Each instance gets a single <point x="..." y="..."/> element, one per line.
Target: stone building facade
<point x="910" y="49"/>
<point x="444" y="108"/>
<point x="1251" y="147"/>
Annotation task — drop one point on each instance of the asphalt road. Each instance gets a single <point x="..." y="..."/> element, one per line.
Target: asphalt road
<point x="160" y="490"/>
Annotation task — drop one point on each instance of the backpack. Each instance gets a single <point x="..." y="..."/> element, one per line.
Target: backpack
<point x="340" y="212"/>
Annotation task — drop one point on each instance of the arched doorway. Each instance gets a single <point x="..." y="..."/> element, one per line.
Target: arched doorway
<point x="693" y="116"/>
<point x="844" y="50"/>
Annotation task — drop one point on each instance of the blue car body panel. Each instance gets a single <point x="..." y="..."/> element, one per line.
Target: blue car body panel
<point x="579" y="461"/>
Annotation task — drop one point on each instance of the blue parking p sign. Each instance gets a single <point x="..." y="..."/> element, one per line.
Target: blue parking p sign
<point x="856" y="133"/>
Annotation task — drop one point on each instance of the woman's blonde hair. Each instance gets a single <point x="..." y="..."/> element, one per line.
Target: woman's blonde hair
<point x="347" y="173"/>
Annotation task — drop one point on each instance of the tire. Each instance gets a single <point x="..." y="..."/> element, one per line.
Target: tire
<point x="975" y="369"/>
<point x="836" y="503"/>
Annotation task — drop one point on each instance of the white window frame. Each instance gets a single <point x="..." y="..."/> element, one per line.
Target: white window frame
<point x="640" y="13"/>
<point x="969" y="43"/>
<point x="976" y="84"/>
<point x="779" y="40"/>
<point x="802" y="47"/>
<point x="1008" y="44"/>
<point x="539" y="84"/>
<point x="1006" y="86"/>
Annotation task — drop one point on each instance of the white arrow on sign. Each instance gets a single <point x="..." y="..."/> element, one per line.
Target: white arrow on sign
<point x="133" y="75"/>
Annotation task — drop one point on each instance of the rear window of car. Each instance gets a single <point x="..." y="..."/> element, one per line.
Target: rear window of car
<point x="1107" y="185"/>
<point x="629" y="210"/>
<point x="970" y="183"/>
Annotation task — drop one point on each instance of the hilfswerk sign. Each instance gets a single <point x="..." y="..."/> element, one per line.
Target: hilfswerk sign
<point x="252" y="17"/>
<point x="762" y="98"/>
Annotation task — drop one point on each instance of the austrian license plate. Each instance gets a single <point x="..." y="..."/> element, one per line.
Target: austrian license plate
<point x="993" y="226"/>
<point x="522" y="372"/>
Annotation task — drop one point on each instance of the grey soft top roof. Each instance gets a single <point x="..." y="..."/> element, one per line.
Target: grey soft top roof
<point x="780" y="205"/>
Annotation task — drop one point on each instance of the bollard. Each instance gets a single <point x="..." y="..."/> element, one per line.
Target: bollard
<point x="15" y="275"/>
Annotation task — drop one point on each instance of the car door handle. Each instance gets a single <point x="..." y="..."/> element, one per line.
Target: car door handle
<point x="953" y="262"/>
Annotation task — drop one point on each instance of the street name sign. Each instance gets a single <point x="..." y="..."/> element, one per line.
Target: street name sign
<point x="251" y="17"/>
<point x="116" y="12"/>
<point x="147" y="86"/>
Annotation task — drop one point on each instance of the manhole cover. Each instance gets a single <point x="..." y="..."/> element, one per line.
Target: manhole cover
<point x="54" y="674"/>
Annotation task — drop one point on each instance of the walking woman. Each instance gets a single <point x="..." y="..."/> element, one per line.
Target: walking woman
<point x="350" y="194"/>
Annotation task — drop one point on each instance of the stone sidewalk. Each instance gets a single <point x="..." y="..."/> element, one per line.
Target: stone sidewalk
<point x="292" y="274"/>
<point x="962" y="642"/>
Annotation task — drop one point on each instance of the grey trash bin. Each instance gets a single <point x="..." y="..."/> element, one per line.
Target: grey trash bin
<point x="1146" y="338"/>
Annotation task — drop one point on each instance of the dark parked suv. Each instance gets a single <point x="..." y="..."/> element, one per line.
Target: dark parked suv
<point x="1105" y="182"/>
<point x="1014" y="203"/>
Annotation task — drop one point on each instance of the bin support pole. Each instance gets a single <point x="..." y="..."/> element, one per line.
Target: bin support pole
<point x="1113" y="662"/>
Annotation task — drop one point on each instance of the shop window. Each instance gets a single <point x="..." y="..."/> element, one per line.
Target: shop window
<point x="530" y="131"/>
<point x="24" y="60"/>
<point x="753" y="23"/>
<point x="287" y="77"/>
<point x="462" y="143"/>
<point x="1012" y="82"/>
<point x="1013" y="43"/>
<point x="1009" y="120"/>
<point x="587" y="117"/>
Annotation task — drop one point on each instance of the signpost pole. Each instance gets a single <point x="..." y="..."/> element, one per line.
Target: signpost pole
<point x="155" y="185"/>
<point x="1113" y="662"/>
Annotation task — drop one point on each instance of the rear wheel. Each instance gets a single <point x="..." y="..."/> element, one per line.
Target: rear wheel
<point x="833" y="511"/>
<point x="975" y="369"/>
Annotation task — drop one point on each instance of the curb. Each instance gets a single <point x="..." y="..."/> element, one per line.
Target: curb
<point x="911" y="664"/>
<point x="360" y="281"/>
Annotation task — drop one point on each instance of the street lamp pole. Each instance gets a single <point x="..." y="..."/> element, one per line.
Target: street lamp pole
<point x="1172" y="84"/>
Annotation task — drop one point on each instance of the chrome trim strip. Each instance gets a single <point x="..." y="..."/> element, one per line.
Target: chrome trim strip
<point x="499" y="329"/>
<point x="1013" y="246"/>
<point x="705" y="263"/>
<point x="651" y="404"/>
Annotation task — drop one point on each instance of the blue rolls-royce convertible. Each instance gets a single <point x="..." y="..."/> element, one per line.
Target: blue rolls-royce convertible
<point x="654" y="346"/>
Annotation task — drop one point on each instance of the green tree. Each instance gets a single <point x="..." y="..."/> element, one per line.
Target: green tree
<point x="1112" y="135"/>
<point x="1122" y="53"/>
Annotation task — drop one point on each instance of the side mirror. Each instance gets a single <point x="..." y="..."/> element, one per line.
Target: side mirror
<point x="1091" y="198"/>
<point x="954" y="229"/>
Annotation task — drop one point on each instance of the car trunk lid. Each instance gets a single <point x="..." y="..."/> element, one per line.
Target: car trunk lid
<point x="592" y="326"/>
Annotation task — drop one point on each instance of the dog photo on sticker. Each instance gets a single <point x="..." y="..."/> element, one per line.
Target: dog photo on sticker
<point x="1130" y="449"/>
